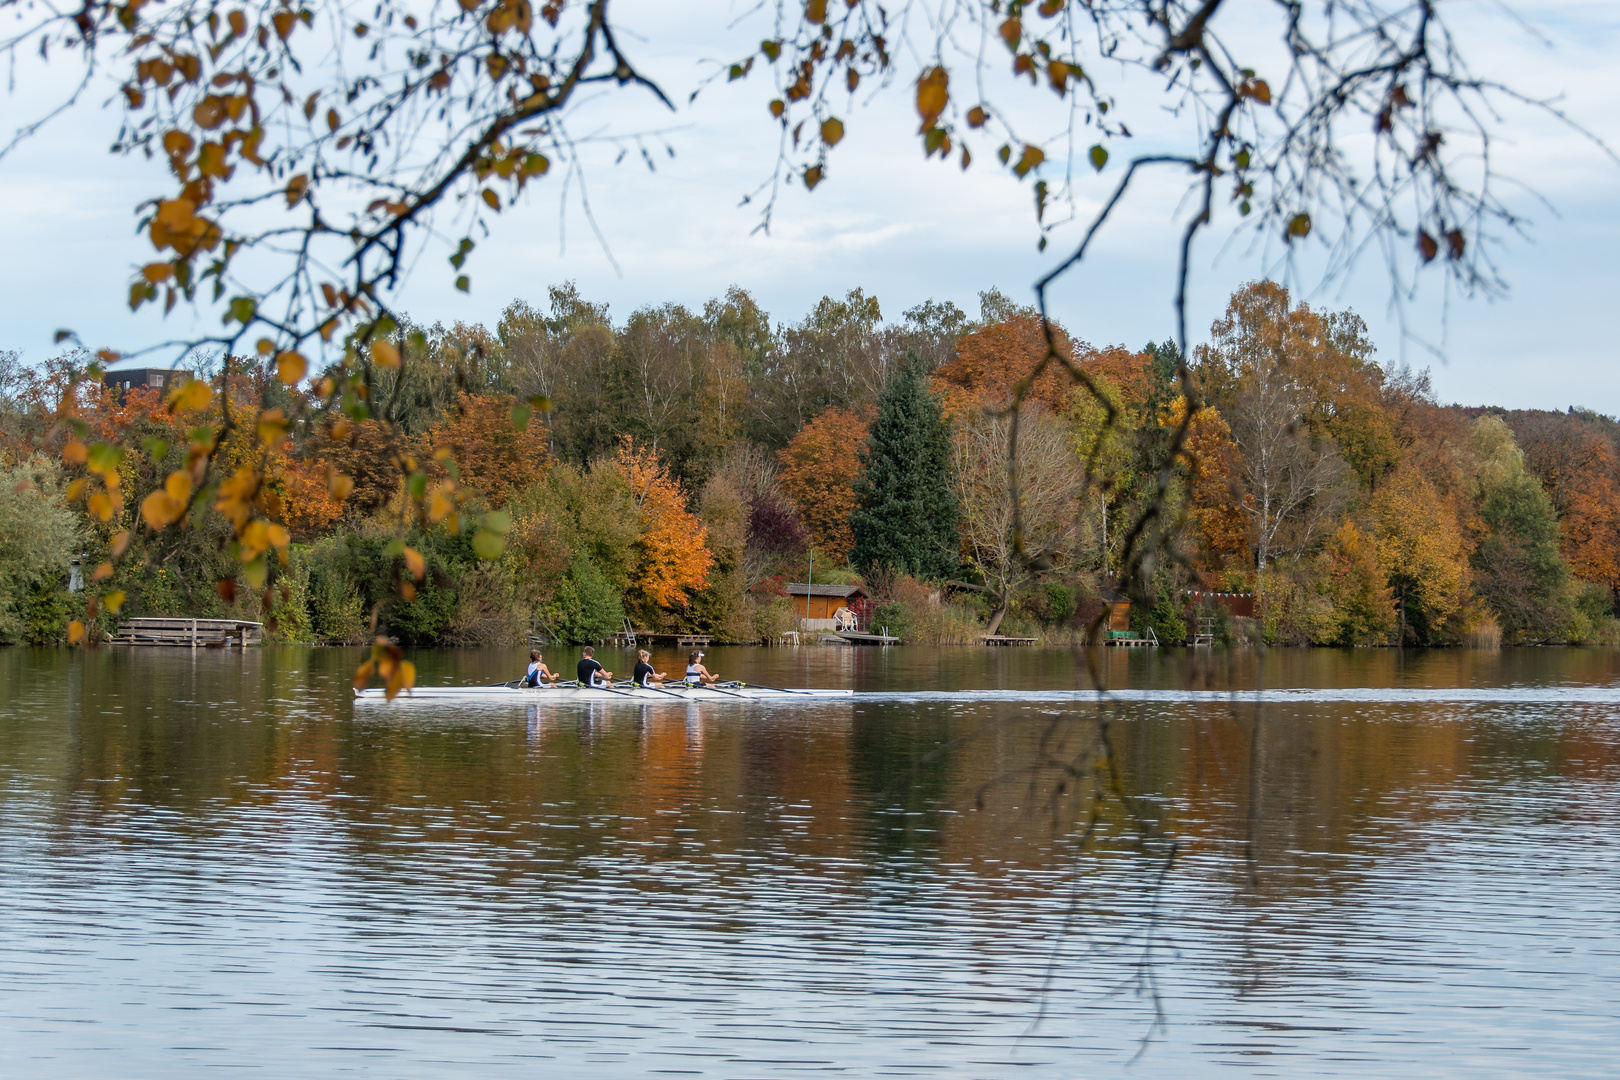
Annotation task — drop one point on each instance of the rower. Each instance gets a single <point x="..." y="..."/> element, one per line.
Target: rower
<point x="537" y="670"/>
<point x="644" y="676"/>
<point x="592" y="673"/>
<point x="696" y="673"/>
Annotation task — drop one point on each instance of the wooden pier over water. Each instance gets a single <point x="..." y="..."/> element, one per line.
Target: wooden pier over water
<point x="188" y="633"/>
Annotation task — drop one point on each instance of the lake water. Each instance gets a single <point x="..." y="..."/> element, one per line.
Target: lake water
<point x="1389" y="864"/>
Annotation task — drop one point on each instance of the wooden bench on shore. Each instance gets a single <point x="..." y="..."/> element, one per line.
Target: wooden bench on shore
<point x="188" y="633"/>
<point x="1002" y="639"/>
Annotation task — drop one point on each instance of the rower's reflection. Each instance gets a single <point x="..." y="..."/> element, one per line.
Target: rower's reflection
<point x="688" y="725"/>
<point x="695" y="723"/>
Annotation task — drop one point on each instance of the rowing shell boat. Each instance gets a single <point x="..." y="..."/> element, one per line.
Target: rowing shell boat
<point x="569" y="693"/>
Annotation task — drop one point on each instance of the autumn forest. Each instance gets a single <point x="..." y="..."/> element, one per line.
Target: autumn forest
<point x="564" y="471"/>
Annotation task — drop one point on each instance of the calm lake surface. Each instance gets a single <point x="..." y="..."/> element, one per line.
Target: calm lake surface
<point x="1395" y="864"/>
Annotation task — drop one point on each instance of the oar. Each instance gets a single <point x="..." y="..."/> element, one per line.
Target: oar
<point x="716" y="689"/>
<point x="604" y="689"/>
<point x="661" y="690"/>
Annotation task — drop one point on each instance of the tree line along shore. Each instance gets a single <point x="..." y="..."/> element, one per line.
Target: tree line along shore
<point x="679" y="468"/>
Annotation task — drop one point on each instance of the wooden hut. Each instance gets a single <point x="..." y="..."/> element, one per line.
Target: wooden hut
<point x="817" y="605"/>
<point x="1119" y="611"/>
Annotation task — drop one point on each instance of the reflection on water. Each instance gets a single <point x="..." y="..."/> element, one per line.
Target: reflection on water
<point x="215" y="861"/>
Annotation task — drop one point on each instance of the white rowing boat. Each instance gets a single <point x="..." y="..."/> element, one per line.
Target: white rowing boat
<point x="568" y="692"/>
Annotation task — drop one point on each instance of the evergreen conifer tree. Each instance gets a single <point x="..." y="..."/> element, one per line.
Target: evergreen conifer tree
<point x="906" y="512"/>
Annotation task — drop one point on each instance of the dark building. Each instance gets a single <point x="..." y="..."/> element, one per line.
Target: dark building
<point x="163" y="379"/>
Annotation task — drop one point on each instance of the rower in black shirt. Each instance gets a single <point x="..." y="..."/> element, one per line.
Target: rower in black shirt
<point x="592" y="673"/>
<point x="644" y="675"/>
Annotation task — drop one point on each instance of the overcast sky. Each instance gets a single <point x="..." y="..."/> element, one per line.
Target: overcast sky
<point x="901" y="228"/>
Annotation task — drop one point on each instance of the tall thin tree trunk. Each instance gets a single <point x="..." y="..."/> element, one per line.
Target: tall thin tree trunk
<point x="1002" y="603"/>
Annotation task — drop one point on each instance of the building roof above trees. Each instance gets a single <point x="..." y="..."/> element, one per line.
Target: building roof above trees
<point x="842" y="592"/>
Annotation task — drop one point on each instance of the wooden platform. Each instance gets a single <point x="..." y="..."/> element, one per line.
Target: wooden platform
<point x="851" y="637"/>
<point x="189" y="633"/>
<point x="999" y="639"/>
<point x="650" y="638"/>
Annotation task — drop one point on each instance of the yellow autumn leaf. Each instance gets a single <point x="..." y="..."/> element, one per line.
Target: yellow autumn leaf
<point x="933" y="94"/>
<point x="832" y="130"/>
<point x="102" y="572"/>
<point x="195" y="394"/>
<point x="415" y="563"/>
<point x="384" y="354"/>
<point x="255" y="539"/>
<point x="75" y="452"/>
<point x="160" y="510"/>
<point x="113" y="601"/>
<point x="272" y="426"/>
<point x="339" y="485"/>
<point x="178" y="485"/>
<point x="75" y="632"/>
<point x="403" y="678"/>
<point x="236" y="496"/>
<point x="439" y="506"/>
<point x="1031" y="157"/>
<point x="291" y="368"/>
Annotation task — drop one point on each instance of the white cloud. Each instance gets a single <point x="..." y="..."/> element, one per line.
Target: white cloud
<point x="898" y="226"/>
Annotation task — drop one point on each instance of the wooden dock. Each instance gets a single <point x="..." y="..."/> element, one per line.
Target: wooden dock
<point x="999" y="639"/>
<point x="627" y="639"/>
<point x="189" y="633"/>
<point x="1126" y="640"/>
<point x="852" y="637"/>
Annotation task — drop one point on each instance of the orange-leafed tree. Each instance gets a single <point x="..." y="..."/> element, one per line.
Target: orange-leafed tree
<point x="311" y="496"/>
<point x="1591" y="521"/>
<point x="493" y="456"/>
<point x="371" y="455"/>
<point x="672" y="552"/>
<point x="991" y="362"/>
<point x="818" y="470"/>
<point x="1215" y="504"/>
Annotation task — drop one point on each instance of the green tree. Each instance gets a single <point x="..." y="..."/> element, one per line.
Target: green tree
<point x="586" y="606"/>
<point x="1517" y="568"/>
<point x="906" y="510"/>
<point x="38" y="538"/>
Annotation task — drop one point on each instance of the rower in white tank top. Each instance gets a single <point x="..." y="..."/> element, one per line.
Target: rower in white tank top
<point x="696" y="673"/>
